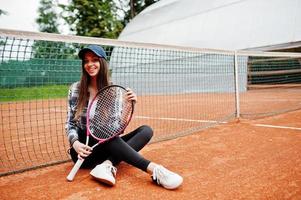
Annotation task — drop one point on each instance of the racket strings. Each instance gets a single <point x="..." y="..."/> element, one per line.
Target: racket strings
<point x="109" y="113"/>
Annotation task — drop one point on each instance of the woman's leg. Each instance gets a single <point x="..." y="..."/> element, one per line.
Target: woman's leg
<point x="137" y="139"/>
<point x="126" y="148"/>
<point x="123" y="148"/>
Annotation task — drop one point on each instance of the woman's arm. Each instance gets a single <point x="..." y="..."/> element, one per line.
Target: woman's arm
<point x="70" y="126"/>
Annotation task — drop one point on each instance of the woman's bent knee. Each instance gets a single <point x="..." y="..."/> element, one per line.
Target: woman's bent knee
<point x="147" y="132"/>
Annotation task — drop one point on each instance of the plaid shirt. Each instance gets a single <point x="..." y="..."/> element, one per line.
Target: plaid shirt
<point x="74" y="126"/>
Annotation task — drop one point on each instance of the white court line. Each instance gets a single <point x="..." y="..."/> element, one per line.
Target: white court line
<point x="283" y="127"/>
<point x="179" y="119"/>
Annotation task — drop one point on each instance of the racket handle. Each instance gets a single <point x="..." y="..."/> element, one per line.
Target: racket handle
<point x="74" y="170"/>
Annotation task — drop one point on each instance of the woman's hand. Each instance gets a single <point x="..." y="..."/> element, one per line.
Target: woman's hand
<point x="131" y="95"/>
<point x="82" y="150"/>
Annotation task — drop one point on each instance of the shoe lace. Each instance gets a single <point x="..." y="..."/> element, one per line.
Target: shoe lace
<point x="160" y="174"/>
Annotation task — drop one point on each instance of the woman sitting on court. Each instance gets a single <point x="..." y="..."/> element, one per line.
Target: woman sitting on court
<point x="107" y="155"/>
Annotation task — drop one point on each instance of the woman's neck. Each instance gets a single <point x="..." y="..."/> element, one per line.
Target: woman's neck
<point x="93" y="83"/>
<point x="93" y="87"/>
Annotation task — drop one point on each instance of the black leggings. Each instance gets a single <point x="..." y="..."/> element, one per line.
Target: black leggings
<point x="118" y="149"/>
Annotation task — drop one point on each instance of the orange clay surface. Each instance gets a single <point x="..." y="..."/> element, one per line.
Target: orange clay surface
<point x="238" y="160"/>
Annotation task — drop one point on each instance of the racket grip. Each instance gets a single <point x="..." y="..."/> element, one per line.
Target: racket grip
<point x="74" y="170"/>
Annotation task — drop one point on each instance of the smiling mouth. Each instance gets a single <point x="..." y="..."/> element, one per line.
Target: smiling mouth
<point x="92" y="69"/>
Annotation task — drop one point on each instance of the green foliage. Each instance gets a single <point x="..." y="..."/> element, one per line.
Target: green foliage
<point x="93" y="18"/>
<point x="47" y="19"/>
<point x="53" y="50"/>
<point x="136" y="6"/>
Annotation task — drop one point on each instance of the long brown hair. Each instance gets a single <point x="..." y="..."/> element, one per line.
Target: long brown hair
<point x="102" y="81"/>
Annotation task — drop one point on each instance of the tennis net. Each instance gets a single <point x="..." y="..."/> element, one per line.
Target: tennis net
<point x="180" y="90"/>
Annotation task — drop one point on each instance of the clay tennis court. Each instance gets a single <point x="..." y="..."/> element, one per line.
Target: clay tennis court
<point x="246" y="159"/>
<point x="238" y="160"/>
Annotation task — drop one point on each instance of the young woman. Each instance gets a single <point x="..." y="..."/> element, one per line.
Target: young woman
<point x="106" y="156"/>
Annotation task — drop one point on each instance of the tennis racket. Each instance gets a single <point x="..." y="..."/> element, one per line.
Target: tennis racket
<point x="108" y="115"/>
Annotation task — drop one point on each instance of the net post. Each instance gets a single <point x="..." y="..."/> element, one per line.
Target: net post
<point x="236" y="86"/>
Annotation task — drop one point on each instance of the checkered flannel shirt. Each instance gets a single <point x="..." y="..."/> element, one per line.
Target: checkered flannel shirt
<point x="74" y="126"/>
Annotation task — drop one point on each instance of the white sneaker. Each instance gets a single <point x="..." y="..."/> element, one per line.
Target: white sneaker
<point x="166" y="178"/>
<point x="105" y="173"/>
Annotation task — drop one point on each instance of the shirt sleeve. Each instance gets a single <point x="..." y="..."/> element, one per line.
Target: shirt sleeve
<point x="71" y="124"/>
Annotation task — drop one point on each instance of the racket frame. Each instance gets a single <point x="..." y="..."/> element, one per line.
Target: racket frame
<point x="80" y="161"/>
<point x="88" y="111"/>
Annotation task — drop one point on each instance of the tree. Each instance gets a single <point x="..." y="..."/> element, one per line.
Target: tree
<point x="48" y="21"/>
<point x="101" y="18"/>
<point x="136" y="6"/>
<point x="94" y="18"/>
<point x="2" y="12"/>
<point x="48" y="18"/>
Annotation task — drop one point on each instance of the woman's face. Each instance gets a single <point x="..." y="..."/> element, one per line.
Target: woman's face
<point x="91" y="63"/>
